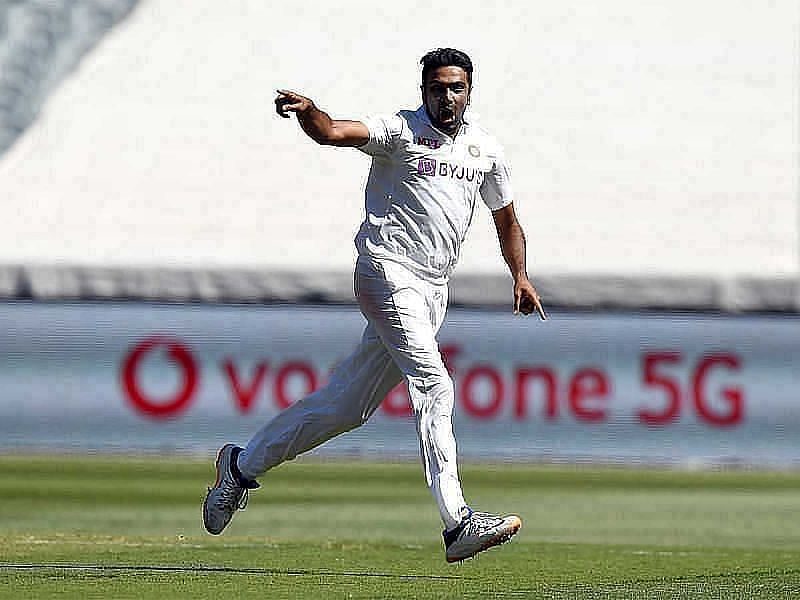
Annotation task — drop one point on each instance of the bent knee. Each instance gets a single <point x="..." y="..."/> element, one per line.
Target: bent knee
<point x="432" y="394"/>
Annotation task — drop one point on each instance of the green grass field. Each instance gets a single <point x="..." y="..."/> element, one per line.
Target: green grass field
<point x="130" y="528"/>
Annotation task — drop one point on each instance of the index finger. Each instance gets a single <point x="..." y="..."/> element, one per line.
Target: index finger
<point x="539" y="308"/>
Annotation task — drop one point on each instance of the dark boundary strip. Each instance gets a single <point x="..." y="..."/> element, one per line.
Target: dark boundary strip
<point x="213" y="569"/>
<point x="273" y="286"/>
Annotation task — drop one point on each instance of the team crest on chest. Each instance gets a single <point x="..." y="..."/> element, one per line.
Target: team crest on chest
<point x="474" y="151"/>
<point x="429" y="143"/>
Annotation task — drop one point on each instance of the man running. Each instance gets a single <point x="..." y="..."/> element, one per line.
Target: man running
<point x="429" y="166"/>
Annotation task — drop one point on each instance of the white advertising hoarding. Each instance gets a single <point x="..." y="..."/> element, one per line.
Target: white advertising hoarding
<point x="590" y="386"/>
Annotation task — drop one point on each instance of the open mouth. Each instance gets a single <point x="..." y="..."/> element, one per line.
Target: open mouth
<point x="446" y="114"/>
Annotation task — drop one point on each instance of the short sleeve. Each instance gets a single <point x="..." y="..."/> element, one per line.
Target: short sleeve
<point x="383" y="135"/>
<point x="496" y="187"/>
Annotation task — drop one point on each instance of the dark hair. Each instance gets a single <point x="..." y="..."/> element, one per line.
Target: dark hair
<point x="445" y="57"/>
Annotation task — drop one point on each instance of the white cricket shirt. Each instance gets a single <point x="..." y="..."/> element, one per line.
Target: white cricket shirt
<point x="422" y="191"/>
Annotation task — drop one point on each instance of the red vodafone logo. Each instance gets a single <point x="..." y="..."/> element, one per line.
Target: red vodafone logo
<point x="160" y="408"/>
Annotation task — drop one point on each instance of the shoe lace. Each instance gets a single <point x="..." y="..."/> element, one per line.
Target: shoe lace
<point x="231" y="497"/>
<point x="479" y="522"/>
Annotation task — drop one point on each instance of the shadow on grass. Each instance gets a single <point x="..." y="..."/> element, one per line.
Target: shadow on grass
<point x="210" y="569"/>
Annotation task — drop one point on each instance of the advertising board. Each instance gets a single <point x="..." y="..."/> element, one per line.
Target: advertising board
<point x="582" y="386"/>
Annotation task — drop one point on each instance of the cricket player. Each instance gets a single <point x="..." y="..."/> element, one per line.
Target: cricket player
<point x="429" y="167"/>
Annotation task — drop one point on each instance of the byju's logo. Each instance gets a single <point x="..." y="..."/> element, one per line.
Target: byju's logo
<point x="426" y="166"/>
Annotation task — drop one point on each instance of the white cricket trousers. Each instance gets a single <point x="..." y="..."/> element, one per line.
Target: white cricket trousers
<point x="404" y="314"/>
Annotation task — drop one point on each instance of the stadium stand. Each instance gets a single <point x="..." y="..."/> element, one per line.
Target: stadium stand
<point x="660" y="161"/>
<point x="41" y="42"/>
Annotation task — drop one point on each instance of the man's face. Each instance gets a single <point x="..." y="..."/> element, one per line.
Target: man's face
<point x="445" y="96"/>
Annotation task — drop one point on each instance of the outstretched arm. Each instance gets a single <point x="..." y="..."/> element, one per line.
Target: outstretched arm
<point x="317" y="124"/>
<point x="512" y="244"/>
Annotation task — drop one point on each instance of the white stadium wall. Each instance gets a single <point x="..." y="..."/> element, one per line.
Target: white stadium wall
<point x="647" y="138"/>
